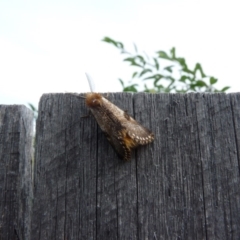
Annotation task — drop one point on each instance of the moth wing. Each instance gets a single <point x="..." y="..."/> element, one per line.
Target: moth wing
<point x="126" y="134"/>
<point x="137" y="132"/>
<point x="123" y="132"/>
<point x="116" y="140"/>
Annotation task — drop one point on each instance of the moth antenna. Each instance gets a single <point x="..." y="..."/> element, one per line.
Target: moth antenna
<point x="88" y="115"/>
<point x="90" y="82"/>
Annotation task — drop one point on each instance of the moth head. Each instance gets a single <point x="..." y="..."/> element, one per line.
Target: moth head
<point x="93" y="100"/>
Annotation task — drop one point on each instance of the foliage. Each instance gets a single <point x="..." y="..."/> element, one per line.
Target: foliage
<point x="172" y="75"/>
<point x="34" y="109"/>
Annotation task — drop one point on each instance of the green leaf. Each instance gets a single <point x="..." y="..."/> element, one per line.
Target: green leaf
<point x="146" y="88"/>
<point x="192" y="86"/>
<point x="155" y="83"/>
<point x="34" y="109"/>
<point x="121" y="81"/>
<point x="183" y="78"/>
<point x="134" y="74"/>
<point x="161" y="88"/>
<point x="156" y="63"/>
<point x="111" y="41"/>
<point x="200" y="83"/>
<point x="120" y="45"/>
<point x="132" y="61"/>
<point x="137" y="65"/>
<point x="225" y="89"/>
<point x="182" y="62"/>
<point x="169" y="68"/>
<point x="151" y="77"/>
<point x="141" y="58"/>
<point x="186" y="70"/>
<point x="145" y="71"/>
<point x="162" y="54"/>
<point x="156" y="76"/>
<point x="173" y="52"/>
<point x="170" y="78"/>
<point x="167" y="90"/>
<point x="198" y="67"/>
<point x="212" y="80"/>
<point x="129" y="59"/>
<point x="131" y="88"/>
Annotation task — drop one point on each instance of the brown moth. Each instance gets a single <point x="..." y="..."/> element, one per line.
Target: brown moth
<point x="122" y="131"/>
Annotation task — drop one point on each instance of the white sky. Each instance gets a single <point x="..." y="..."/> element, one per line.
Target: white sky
<point x="46" y="46"/>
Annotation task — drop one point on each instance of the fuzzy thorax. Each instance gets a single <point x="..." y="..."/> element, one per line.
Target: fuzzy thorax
<point x="93" y="100"/>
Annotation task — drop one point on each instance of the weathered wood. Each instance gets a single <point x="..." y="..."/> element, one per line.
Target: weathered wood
<point x="116" y="186"/>
<point x="185" y="185"/>
<point x="16" y="135"/>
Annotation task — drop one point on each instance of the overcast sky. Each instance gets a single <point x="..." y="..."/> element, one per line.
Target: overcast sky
<point x="46" y="46"/>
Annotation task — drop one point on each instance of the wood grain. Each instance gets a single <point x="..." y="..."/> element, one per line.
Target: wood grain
<point x="185" y="185"/>
<point x="16" y="136"/>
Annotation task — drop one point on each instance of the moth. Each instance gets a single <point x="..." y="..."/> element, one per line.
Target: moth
<point x="122" y="131"/>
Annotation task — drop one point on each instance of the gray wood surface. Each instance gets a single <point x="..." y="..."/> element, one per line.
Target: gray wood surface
<point x="16" y="135"/>
<point x="185" y="185"/>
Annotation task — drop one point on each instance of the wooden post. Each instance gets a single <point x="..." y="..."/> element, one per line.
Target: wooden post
<point x="185" y="185"/>
<point x="16" y="135"/>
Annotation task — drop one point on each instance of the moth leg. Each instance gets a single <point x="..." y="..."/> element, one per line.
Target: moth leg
<point x="88" y="115"/>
